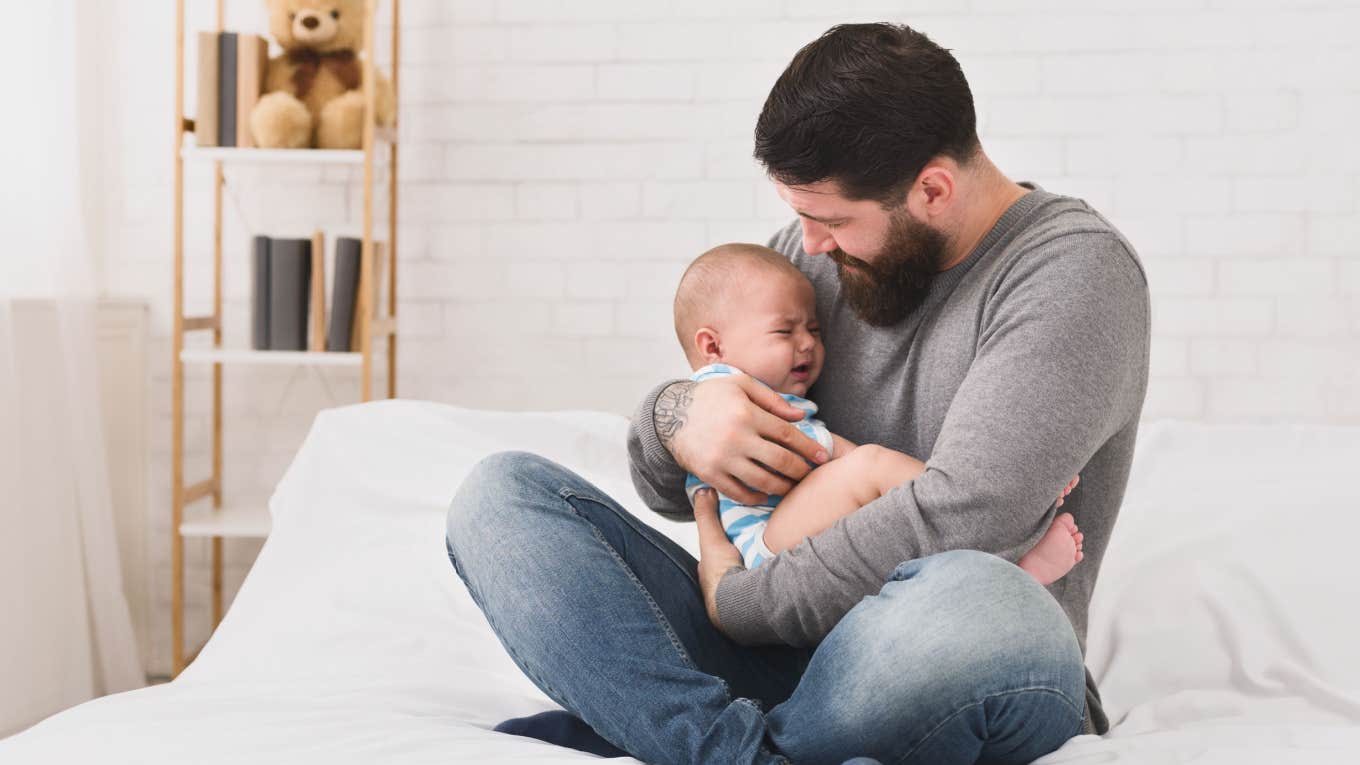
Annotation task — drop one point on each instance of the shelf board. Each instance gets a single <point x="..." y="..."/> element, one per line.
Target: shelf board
<point x="288" y="156"/>
<point x="244" y="356"/>
<point x="251" y="521"/>
<point x="276" y="156"/>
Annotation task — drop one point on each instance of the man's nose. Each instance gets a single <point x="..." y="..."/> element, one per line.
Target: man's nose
<point x="310" y="21"/>
<point x="816" y="238"/>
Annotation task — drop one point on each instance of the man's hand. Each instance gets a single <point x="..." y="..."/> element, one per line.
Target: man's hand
<point x="717" y="555"/>
<point x="734" y="433"/>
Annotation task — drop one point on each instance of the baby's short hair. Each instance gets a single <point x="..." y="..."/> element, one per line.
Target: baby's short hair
<point x="711" y="280"/>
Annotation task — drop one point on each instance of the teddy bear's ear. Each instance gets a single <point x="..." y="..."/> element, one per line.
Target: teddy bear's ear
<point x="352" y="8"/>
<point x="351" y="32"/>
<point x="280" y="25"/>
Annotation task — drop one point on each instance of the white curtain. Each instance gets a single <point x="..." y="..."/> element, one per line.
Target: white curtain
<point x="65" y="631"/>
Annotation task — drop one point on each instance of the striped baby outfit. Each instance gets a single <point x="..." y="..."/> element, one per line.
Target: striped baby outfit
<point x="745" y="524"/>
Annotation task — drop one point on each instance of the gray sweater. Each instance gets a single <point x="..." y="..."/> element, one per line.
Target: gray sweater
<point x="1026" y="365"/>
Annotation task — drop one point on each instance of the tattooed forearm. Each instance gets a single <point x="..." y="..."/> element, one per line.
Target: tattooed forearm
<point x="672" y="407"/>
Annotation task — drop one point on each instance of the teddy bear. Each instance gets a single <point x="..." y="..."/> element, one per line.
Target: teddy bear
<point x="313" y="92"/>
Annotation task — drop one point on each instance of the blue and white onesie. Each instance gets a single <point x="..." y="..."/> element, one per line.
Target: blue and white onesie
<point x="745" y="524"/>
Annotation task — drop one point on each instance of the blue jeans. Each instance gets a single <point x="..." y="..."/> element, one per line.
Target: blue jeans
<point x="605" y="615"/>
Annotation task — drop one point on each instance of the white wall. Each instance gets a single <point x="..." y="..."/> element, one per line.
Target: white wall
<point x="562" y="161"/>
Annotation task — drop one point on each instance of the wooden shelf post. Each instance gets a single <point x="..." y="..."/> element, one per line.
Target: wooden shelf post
<point x="244" y="521"/>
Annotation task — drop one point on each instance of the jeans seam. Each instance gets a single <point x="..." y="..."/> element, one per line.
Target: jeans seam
<point x="984" y="700"/>
<point x="570" y="492"/>
<point x="755" y="704"/>
<point x="651" y="602"/>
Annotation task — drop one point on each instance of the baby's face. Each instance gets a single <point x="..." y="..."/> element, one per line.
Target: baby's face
<point x="771" y="333"/>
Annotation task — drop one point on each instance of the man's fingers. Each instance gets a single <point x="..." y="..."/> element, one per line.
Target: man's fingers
<point x="780" y="460"/>
<point x="766" y="398"/>
<point x="706" y="518"/>
<point x="788" y="435"/>
<point x="738" y="491"/>
<point x="761" y="479"/>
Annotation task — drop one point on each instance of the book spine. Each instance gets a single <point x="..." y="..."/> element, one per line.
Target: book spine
<point x="316" y="319"/>
<point x="226" y="89"/>
<point x="259" y="299"/>
<point x="373" y="279"/>
<point x="251" y="60"/>
<point x="345" y="293"/>
<point x="290" y="271"/>
<point x="205" y="116"/>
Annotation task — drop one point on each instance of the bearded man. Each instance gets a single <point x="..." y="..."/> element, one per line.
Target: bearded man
<point x="993" y="329"/>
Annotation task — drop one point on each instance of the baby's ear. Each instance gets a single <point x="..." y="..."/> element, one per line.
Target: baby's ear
<point x="708" y="344"/>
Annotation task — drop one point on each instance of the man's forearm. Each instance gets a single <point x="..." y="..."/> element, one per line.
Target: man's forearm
<point x="671" y="410"/>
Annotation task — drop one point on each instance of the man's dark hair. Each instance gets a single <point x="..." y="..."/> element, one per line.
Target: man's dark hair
<point x="867" y="106"/>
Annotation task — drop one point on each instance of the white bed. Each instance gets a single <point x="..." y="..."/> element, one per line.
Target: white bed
<point x="1224" y="629"/>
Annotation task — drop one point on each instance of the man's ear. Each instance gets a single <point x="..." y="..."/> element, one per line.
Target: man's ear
<point x="934" y="189"/>
<point x="708" y="343"/>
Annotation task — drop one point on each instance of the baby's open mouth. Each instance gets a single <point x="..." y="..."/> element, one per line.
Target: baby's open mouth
<point x="802" y="369"/>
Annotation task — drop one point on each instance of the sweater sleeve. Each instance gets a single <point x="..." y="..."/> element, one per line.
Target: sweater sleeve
<point x="1060" y="367"/>
<point x="657" y="477"/>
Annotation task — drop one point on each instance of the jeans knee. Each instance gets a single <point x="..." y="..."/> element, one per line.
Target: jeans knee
<point x="489" y="492"/>
<point x="996" y="615"/>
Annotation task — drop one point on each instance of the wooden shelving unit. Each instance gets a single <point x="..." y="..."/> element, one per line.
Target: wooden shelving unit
<point x="216" y="520"/>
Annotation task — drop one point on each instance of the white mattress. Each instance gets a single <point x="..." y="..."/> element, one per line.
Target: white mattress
<point x="1224" y="628"/>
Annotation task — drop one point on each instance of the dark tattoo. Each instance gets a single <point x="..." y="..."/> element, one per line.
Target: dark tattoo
<point x="672" y="407"/>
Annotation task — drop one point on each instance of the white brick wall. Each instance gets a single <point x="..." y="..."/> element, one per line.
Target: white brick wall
<point x="563" y="159"/>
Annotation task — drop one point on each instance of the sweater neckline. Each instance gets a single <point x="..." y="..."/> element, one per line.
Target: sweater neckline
<point x="945" y="281"/>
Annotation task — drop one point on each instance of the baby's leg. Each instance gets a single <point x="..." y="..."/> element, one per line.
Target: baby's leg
<point x="837" y="489"/>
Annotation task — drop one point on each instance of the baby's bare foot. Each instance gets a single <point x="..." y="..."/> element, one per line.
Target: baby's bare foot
<point x="1057" y="552"/>
<point x="1068" y="489"/>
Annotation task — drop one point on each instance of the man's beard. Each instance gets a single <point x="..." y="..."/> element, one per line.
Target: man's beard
<point x="884" y="292"/>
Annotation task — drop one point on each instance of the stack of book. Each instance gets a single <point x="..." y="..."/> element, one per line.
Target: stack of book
<point x="288" y="294"/>
<point x="231" y="69"/>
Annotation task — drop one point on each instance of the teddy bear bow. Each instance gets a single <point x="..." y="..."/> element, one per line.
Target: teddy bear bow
<point x="342" y="63"/>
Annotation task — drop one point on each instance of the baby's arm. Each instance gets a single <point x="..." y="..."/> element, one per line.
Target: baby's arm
<point x="856" y="476"/>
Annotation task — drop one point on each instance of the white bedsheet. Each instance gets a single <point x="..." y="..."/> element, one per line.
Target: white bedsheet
<point x="1224" y="628"/>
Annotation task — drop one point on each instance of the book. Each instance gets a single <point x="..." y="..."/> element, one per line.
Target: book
<point x="252" y="57"/>
<point x="316" y="332"/>
<point x="226" y="88"/>
<point x="379" y="275"/>
<point x="344" y="293"/>
<point x="290" y="275"/>
<point x="259" y="297"/>
<point x="376" y="277"/>
<point x="205" y="117"/>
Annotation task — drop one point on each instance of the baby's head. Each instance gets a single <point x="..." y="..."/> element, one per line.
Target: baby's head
<point x="748" y="306"/>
